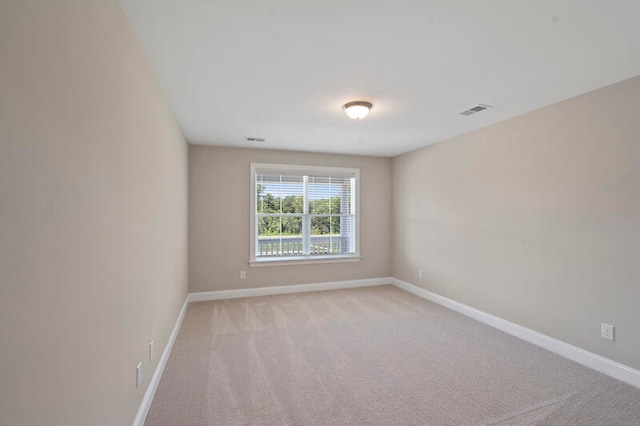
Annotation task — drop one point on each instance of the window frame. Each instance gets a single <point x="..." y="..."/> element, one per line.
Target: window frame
<point x="296" y="169"/>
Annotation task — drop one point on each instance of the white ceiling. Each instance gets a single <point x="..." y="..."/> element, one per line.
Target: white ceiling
<point x="282" y="69"/>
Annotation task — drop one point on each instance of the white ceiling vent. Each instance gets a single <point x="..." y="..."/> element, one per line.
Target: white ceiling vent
<point x="477" y="108"/>
<point x="248" y="139"/>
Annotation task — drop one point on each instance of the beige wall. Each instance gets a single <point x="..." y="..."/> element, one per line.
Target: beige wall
<point x="219" y="219"/>
<point x="535" y="219"/>
<point x="93" y="214"/>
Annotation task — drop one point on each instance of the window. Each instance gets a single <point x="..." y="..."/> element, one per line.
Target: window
<point x="303" y="213"/>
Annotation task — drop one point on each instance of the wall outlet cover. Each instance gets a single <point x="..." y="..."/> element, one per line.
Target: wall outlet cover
<point x="139" y="375"/>
<point x="607" y="331"/>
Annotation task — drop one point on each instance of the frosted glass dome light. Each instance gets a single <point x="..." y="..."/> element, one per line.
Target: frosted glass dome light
<point x="357" y="109"/>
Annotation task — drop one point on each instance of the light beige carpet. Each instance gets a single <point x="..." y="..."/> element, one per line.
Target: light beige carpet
<point x="370" y="356"/>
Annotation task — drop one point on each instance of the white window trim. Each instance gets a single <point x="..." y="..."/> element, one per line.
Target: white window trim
<point x="298" y="260"/>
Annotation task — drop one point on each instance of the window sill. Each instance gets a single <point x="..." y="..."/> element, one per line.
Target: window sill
<point x="302" y="260"/>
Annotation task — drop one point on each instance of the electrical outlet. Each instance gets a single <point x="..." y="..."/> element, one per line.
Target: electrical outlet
<point x="243" y="275"/>
<point x="139" y="375"/>
<point x="607" y="331"/>
<point x="150" y="350"/>
<point x="420" y="273"/>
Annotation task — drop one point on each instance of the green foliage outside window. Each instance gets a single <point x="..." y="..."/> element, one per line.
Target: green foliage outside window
<point x="324" y="214"/>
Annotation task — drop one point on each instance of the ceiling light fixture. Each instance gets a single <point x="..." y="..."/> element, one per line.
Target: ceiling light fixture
<point x="357" y="109"/>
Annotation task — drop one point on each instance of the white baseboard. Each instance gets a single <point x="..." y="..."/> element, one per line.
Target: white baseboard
<point x="286" y="289"/>
<point x="143" y="410"/>
<point x="596" y="362"/>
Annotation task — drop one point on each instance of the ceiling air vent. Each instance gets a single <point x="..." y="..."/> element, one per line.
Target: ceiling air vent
<point x="477" y="108"/>
<point x="248" y="139"/>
